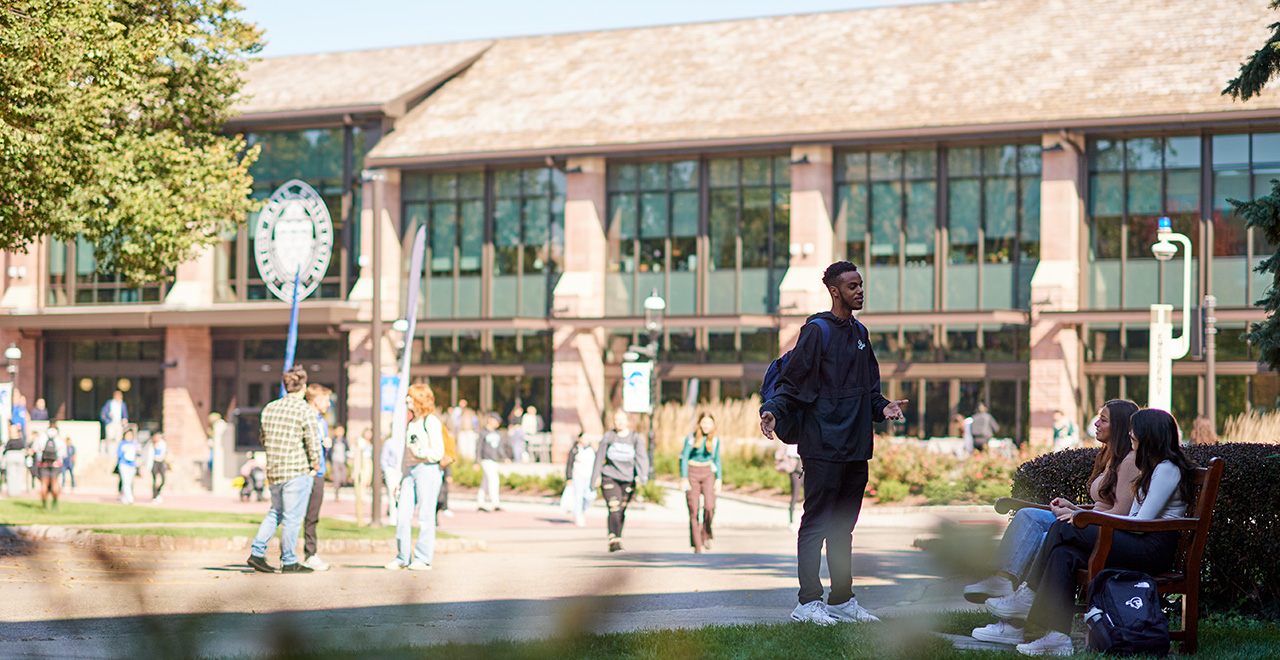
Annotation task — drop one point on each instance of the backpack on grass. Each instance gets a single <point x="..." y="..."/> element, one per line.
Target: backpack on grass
<point x="1124" y="616"/>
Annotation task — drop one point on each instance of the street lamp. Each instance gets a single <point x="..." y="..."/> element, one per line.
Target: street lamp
<point x="654" y="309"/>
<point x="1165" y="348"/>
<point x="374" y="177"/>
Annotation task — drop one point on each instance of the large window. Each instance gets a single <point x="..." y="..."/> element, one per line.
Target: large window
<point x="1243" y="167"/>
<point x="451" y="207"/>
<point x="749" y="233"/>
<point x="528" y="240"/>
<point x="653" y="236"/>
<point x="74" y="278"/>
<point x="993" y="226"/>
<point x="1132" y="183"/>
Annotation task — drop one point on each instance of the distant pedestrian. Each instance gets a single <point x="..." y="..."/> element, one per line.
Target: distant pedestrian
<point x="622" y="464"/>
<point x="319" y="398"/>
<point x="983" y="427"/>
<point x="254" y="474"/>
<point x="786" y="459"/>
<point x="338" y="456"/>
<point x="465" y="427"/>
<point x="390" y="463"/>
<point x="292" y="440"/>
<point x="50" y="452"/>
<point x="488" y="453"/>
<point x="40" y="413"/>
<point x="69" y="463"/>
<point x="702" y="474"/>
<point x="127" y="455"/>
<point x="420" y="482"/>
<point x="159" y="466"/>
<point x="15" y="461"/>
<point x="114" y="417"/>
<point x="578" y="492"/>
<point x="1065" y="433"/>
<point x="442" y="503"/>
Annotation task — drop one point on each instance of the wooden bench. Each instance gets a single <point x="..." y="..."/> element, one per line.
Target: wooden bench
<point x="1184" y="577"/>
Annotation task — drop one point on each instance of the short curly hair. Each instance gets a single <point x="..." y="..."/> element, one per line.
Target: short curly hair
<point x="832" y="275"/>
<point x="422" y="401"/>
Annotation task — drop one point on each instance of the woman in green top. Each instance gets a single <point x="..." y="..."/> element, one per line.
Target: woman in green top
<point x="700" y="469"/>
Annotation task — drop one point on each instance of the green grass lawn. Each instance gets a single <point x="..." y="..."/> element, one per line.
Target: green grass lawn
<point x="1222" y="639"/>
<point x="109" y="518"/>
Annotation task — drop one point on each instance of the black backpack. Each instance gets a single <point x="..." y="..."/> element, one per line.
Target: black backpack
<point x="785" y="430"/>
<point x="1124" y="616"/>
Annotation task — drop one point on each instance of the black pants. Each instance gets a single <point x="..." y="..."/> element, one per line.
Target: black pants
<point x="617" y="494"/>
<point x="797" y="493"/>
<point x="1066" y="550"/>
<point x="158" y="472"/>
<point x="313" y="518"/>
<point x="832" y="501"/>
<point x="442" y="502"/>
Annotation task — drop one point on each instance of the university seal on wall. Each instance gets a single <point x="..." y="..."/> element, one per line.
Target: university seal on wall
<point x="293" y="236"/>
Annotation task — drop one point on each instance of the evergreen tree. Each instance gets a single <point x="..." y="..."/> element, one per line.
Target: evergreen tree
<point x="111" y="114"/>
<point x="1264" y="213"/>
<point x="1260" y="68"/>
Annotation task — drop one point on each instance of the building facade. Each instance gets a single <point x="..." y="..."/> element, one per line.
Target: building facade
<point x="995" y="169"/>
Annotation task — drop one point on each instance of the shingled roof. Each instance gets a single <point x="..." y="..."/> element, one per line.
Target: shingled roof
<point x="951" y="67"/>
<point x="383" y="80"/>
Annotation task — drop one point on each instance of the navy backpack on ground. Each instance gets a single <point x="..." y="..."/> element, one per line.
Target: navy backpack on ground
<point x="1124" y="616"/>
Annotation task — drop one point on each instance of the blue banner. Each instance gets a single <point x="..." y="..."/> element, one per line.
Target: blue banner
<point x="292" y="344"/>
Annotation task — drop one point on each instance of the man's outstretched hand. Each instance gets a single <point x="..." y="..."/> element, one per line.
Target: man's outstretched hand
<point x="894" y="409"/>
<point x="766" y="424"/>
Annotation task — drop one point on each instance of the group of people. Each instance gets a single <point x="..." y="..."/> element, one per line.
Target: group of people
<point x="42" y="459"/>
<point x="134" y="458"/>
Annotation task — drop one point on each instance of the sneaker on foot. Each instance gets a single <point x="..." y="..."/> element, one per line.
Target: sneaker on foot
<point x="850" y="611"/>
<point x="1001" y="632"/>
<point x="260" y="564"/>
<point x="315" y="563"/>
<point x="615" y="545"/>
<point x="419" y="566"/>
<point x="296" y="568"/>
<point x="1016" y="606"/>
<point x="992" y="587"/>
<point x="1053" y="643"/>
<point x="814" y="611"/>
<point x="447" y="513"/>
<point x="395" y="565"/>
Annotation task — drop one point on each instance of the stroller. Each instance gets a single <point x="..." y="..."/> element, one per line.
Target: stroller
<point x="254" y="483"/>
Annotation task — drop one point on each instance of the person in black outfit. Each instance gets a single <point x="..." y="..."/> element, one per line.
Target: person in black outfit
<point x="831" y="396"/>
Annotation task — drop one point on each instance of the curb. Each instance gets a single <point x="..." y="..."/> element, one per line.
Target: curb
<point x="87" y="537"/>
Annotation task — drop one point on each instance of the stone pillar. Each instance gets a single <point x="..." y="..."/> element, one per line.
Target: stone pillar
<point x="1055" y="348"/>
<point x="193" y="281"/>
<point x="188" y="356"/>
<point x="577" y="374"/>
<point x="360" y="376"/>
<point x="812" y="241"/>
<point x="22" y="276"/>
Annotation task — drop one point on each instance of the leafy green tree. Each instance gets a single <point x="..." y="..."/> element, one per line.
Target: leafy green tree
<point x="1260" y="68"/>
<point x="1264" y="213"/>
<point x="110" y="127"/>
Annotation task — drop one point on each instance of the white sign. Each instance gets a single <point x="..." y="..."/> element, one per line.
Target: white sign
<point x="1160" y="376"/>
<point x="635" y="386"/>
<point x="293" y="237"/>
<point x="6" y="407"/>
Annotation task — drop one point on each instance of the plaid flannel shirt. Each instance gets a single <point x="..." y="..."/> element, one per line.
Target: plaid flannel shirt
<point x="291" y="437"/>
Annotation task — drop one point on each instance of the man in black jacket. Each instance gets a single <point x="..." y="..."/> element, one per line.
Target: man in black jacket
<point x="833" y="396"/>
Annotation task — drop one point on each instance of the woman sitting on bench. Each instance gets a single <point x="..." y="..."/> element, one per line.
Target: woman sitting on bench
<point x="1162" y="491"/>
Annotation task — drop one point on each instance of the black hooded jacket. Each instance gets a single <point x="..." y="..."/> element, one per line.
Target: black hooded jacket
<point x="833" y="395"/>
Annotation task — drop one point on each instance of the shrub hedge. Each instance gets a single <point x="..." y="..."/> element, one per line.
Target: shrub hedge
<point x="1241" y="569"/>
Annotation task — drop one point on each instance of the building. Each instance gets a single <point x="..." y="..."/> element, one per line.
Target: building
<point x="995" y="168"/>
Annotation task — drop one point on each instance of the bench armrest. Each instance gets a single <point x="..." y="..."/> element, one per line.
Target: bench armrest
<point x="1007" y="504"/>
<point x="1082" y="519"/>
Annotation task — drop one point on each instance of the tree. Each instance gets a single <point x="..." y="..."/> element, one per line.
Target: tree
<point x="1260" y="68"/>
<point x="1264" y="213"/>
<point x="110" y="127"/>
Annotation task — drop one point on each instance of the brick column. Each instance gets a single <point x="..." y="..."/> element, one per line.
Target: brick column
<point x="577" y="374"/>
<point x="1055" y="348"/>
<point x="187" y="394"/>
<point x="812" y="235"/>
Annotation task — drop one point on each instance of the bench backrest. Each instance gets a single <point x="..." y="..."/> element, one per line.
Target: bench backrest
<point x="1191" y="545"/>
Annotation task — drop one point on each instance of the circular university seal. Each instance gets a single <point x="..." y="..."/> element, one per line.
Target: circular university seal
<point x="293" y="236"/>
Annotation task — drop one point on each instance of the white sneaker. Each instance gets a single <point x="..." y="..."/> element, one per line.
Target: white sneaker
<point x="814" y="611"/>
<point x="1001" y="632"/>
<point x="447" y="513"/>
<point x="992" y="587"/>
<point x="1016" y="606"/>
<point x="850" y="611"/>
<point x="315" y="563"/>
<point x="419" y="566"/>
<point x="395" y="565"/>
<point x="1053" y="643"/>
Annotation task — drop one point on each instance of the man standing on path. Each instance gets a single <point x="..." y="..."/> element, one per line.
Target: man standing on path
<point x="829" y="391"/>
<point x="114" y="417"/>
<point x="983" y="428"/>
<point x="292" y="440"/>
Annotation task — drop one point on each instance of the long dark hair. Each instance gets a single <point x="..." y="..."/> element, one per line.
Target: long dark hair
<point x="1107" y="462"/>
<point x="1157" y="436"/>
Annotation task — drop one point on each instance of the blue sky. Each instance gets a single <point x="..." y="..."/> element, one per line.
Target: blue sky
<point x="297" y="27"/>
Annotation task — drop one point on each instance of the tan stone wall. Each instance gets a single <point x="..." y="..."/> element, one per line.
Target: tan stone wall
<point x="187" y="393"/>
<point x="812" y="239"/>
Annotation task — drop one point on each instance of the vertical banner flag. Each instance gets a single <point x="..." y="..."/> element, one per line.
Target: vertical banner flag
<point x="399" y="415"/>
<point x="291" y="345"/>
<point x="635" y="386"/>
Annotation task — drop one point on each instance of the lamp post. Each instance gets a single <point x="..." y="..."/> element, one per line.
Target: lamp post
<point x="375" y="332"/>
<point x="654" y="310"/>
<point x="1165" y="348"/>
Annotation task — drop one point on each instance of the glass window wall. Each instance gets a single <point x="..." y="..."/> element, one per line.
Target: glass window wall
<point x="653" y="236"/>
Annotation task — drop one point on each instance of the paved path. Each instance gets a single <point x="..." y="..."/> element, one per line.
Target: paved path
<point x="541" y="576"/>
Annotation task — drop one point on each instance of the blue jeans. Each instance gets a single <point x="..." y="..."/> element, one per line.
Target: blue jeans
<point x="1021" y="543"/>
<point x="288" y="502"/>
<point x="420" y="487"/>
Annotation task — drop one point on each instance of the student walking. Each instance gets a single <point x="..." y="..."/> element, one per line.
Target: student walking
<point x="15" y="461"/>
<point x="622" y="464"/>
<point x="159" y="466"/>
<point x="50" y="452"/>
<point x="488" y="453"/>
<point x="127" y="455"/>
<point x="578" y="492"/>
<point x="319" y="398"/>
<point x="701" y="471"/>
<point x="115" y="418"/>
<point x="69" y="462"/>
<point x="292" y="440"/>
<point x="829" y="393"/>
<point x="419" y="483"/>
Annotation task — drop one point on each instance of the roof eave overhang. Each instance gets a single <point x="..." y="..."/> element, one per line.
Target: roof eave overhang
<point x="161" y="316"/>
<point x="303" y="116"/>
<point x="1164" y="122"/>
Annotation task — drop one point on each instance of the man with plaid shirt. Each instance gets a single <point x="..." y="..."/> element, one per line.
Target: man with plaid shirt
<point x="291" y="437"/>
